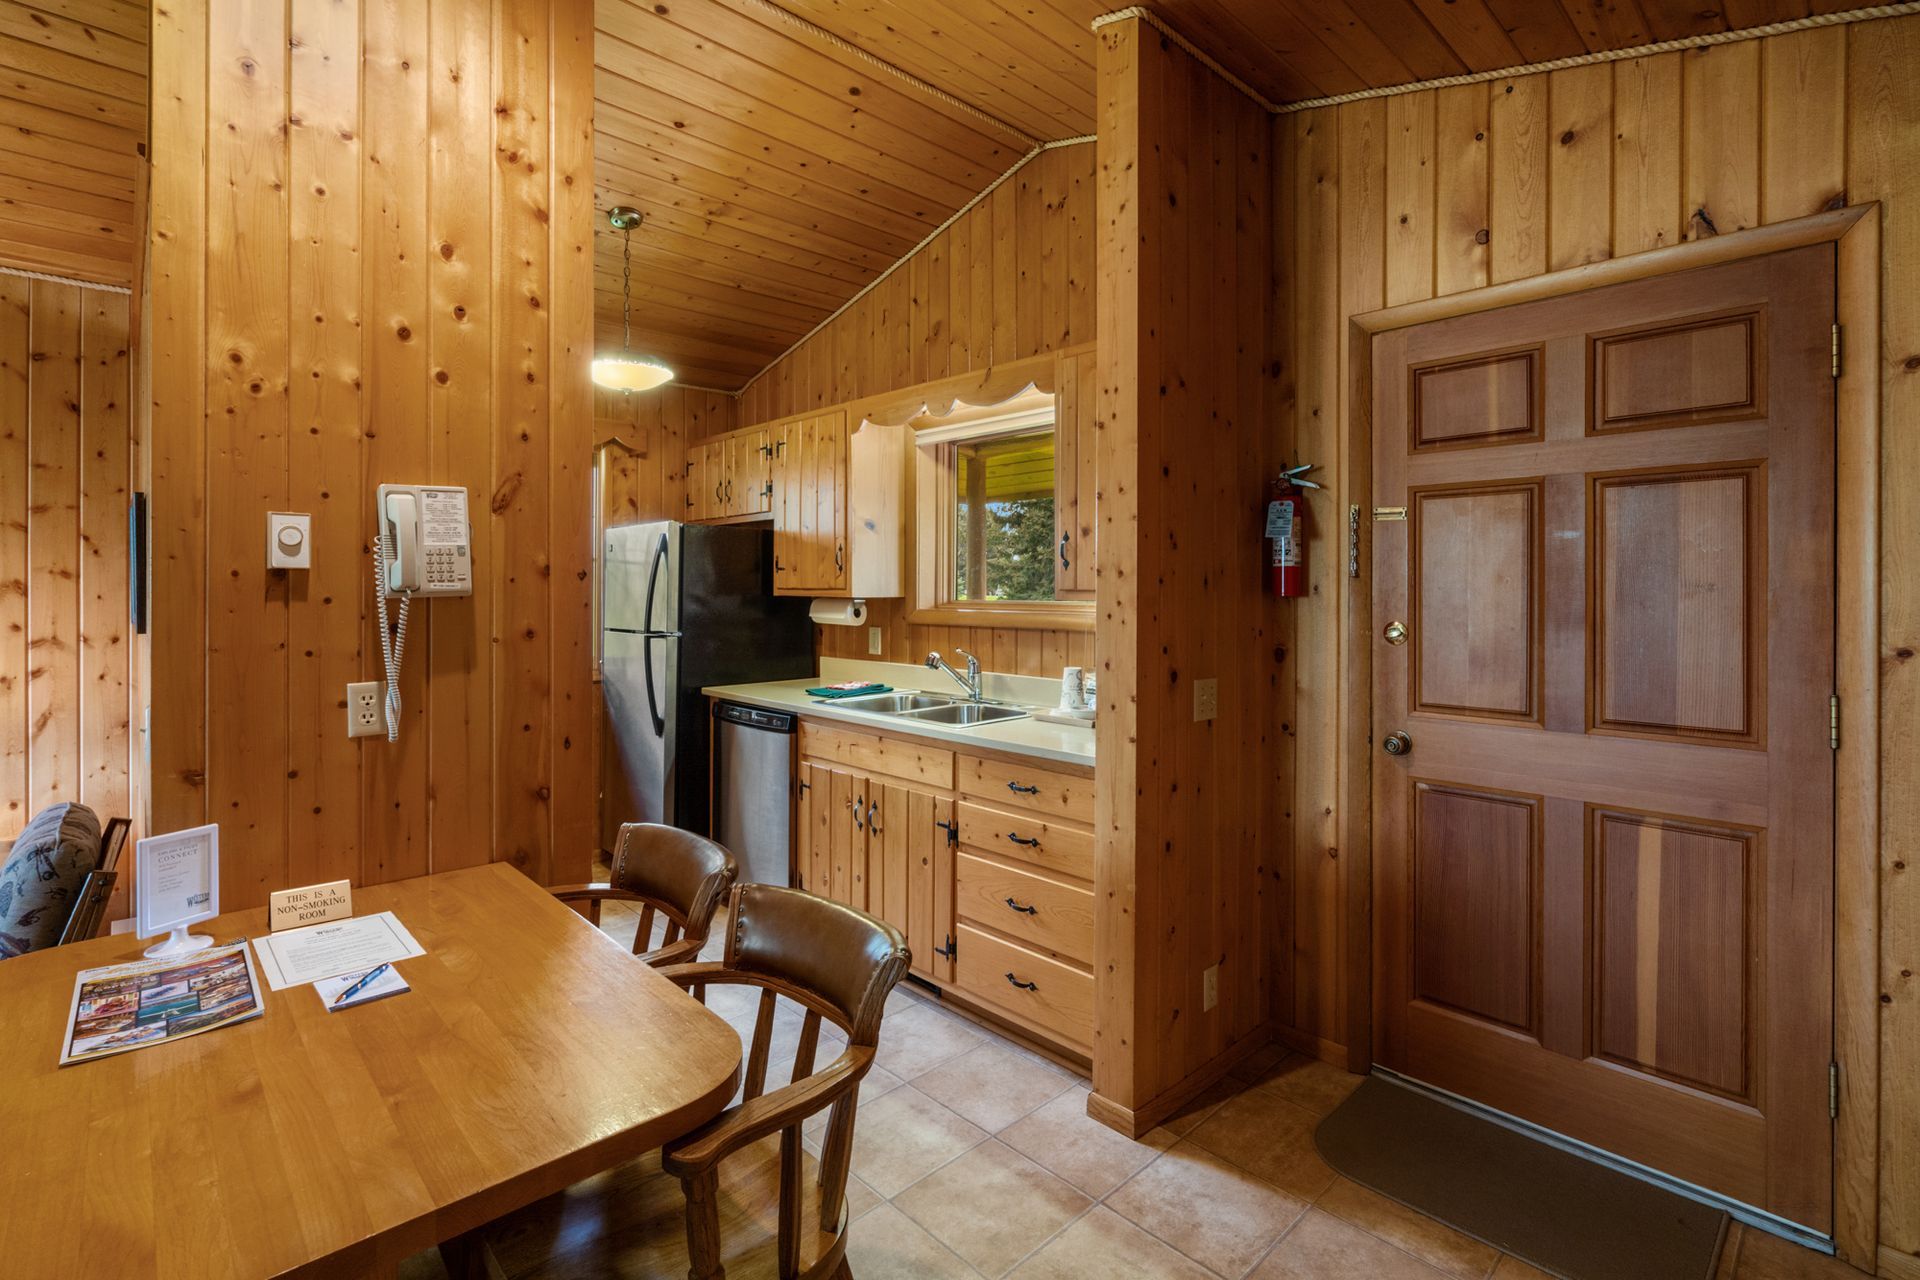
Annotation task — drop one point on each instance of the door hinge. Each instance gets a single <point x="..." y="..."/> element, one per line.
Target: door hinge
<point x="953" y="832"/>
<point x="1833" y="1090"/>
<point x="1353" y="540"/>
<point x="1836" y="350"/>
<point x="949" y="951"/>
<point x="1833" y="722"/>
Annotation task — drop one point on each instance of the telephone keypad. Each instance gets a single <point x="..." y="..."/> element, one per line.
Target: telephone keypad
<point x="444" y="567"/>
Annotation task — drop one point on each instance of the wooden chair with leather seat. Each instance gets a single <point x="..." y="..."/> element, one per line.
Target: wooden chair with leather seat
<point x="676" y="874"/>
<point x="754" y="1203"/>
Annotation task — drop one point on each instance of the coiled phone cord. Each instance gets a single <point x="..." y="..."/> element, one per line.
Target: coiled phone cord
<point x="393" y="644"/>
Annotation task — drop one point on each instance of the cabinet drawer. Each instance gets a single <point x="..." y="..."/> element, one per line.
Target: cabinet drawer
<point x="871" y="753"/>
<point x="1033" y="908"/>
<point x="1047" y="993"/>
<point x="1027" y="838"/>
<point x="1025" y="786"/>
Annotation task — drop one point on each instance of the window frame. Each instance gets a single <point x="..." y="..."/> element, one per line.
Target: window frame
<point x="935" y="501"/>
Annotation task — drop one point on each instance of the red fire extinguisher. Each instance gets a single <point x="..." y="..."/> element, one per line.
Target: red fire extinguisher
<point x="1287" y="532"/>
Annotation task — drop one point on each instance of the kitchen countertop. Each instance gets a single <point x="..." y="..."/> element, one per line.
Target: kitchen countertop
<point x="1040" y="739"/>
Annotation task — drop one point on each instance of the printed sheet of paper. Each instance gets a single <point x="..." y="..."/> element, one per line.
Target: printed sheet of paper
<point x="148" y="1002"/>
<point x="296" y="957"/>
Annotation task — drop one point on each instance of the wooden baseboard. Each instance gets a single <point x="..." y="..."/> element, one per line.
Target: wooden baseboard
<point x="1313" y="1046"/>
<point x="1898" y="1266"/>
<point x="1138" y="1121"/>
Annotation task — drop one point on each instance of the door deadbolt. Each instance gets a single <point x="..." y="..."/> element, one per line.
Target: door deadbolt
<point x="1397" y="744"/>
<point x="1396" y="632"/>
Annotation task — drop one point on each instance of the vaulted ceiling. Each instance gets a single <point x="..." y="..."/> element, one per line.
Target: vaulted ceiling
<point x="73" y="112"/>
<point x="781" y="169"/>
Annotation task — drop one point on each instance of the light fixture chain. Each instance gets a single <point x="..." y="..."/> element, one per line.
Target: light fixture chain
<point x="626" y="289"/>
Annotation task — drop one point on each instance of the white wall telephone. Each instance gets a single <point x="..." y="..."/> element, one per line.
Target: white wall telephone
<point x="424" y="548"/>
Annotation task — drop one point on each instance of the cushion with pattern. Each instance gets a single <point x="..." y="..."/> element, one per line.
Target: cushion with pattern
<point x="43" y="874"/>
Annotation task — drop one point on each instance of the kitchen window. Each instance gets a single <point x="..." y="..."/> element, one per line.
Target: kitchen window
<point x="990" y="519"/>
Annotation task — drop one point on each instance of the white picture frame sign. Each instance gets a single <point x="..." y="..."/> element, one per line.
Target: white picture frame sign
<point x="176" y="884"/>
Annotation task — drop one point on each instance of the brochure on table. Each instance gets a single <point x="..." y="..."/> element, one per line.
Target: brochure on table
<point x="149" y="1002"/>
<point x="296" y="957"/>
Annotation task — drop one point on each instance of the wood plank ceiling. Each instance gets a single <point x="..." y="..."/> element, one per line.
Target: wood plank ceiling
<point x="73" y="113"/>
<point x="781" y="171"/>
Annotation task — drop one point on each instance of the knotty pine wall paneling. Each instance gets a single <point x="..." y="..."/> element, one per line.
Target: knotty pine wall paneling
<point x="1013" y="277"/>
<point x="1441" y="191"/>
<point x="66" y="452"/>
<point x="1187" y="809"/>
<point x="651" y="484"/>
<point x="370" y="262"/>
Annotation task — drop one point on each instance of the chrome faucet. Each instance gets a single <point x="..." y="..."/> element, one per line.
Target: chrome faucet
<point x="970" y="681"/>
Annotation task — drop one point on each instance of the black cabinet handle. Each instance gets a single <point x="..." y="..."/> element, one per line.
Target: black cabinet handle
<point x="946" y="951"/>
<point x="857" y="824"/>
<point x="1024" y="986"/>
<point x="1023" y="790"/>
<point x="1064" y="562"/>
<point x="1021" y="840"/>
<point x="839" y="558"/>
<point x="1031" y="911"/>
<point x="873" y="823"/>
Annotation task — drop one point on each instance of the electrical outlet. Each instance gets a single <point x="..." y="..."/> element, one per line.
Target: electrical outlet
<point x="873" y="641"/>
<point x="1206" y="699"/>
<point x="1210" y="988"/>
<point x="363" y="709"/>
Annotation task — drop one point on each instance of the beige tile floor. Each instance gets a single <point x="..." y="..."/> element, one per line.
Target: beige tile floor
<point x="975" y="1158"/>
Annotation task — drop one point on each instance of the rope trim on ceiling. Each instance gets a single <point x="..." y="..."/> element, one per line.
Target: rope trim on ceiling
<point x="1532" y="68"/>
<point x="24" y="274"/>
<point x="825" y="36"/>
<point x="931" y="236"/>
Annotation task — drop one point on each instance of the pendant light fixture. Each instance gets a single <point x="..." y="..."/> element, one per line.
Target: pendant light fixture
<point x="627" y="371"/>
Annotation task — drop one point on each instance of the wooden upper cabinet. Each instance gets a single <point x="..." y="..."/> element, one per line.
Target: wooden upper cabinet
<point x="750" y="472"/>
<point x="837" y="507"/>
<point x="730" y="477"/>
<point x="1075" y="446"/>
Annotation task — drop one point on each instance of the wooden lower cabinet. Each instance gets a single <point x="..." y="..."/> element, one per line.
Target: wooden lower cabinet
<point x="996" y="901"/>
<point x="882" y="846"/>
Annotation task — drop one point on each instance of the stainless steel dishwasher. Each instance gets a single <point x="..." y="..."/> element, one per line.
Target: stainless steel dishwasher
<point x="753" y="757"/>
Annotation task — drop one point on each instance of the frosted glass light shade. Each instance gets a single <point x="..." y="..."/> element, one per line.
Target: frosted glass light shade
<point x="630" y="373"/>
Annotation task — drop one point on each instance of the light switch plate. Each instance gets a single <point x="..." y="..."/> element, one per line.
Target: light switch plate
<point x="1210" y="988"/>
<point x="289" y="540"/>
<point x="1206" y="699"/>
<point x="873" y="641"/>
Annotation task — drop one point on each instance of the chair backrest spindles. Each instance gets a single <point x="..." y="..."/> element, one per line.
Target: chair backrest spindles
<point x="762" y="1045"/>
<point x="809" y="1045"/>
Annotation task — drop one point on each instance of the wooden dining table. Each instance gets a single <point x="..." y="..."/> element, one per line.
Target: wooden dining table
<point x="532" y="1051"/>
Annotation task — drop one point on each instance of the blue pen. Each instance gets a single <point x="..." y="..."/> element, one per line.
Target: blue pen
<point x="349" y="993"/>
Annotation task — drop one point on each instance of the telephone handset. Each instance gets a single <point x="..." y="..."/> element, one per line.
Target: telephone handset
<point x="424" y="548"/>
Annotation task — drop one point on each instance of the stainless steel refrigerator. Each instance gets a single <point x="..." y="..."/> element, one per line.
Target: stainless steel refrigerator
<point x="684" y="606"/>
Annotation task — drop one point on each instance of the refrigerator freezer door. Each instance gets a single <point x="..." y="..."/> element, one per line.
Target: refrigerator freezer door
<point x="641" y="589"/>
<point x="637" y="677"/>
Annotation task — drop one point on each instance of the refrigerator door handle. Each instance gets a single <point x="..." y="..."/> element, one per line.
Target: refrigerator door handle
<point x="653" y="698"/>
<point x="653" y="582"/>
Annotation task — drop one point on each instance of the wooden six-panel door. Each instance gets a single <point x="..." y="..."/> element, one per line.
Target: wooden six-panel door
<point x="1603" y="866"/>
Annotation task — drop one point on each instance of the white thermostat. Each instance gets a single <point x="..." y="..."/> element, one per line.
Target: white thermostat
<point x="289" y="534"/>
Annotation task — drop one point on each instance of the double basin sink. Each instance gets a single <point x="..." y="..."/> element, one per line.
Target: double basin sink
<point x="931" y="708"/>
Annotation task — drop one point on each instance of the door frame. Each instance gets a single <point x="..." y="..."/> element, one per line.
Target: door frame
<point x="1855" y="233"/>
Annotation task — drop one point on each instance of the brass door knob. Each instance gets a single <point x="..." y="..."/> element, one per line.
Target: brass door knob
<point x="1397" y="744"/>
<point x="1396" y="632"/>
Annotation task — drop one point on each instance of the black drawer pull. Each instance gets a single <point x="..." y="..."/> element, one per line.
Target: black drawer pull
<point x="1024" y="986"/>
<point x="1032" y="911"/>
<point x="1023" y="790"/>
<point x="1018" y="839"/>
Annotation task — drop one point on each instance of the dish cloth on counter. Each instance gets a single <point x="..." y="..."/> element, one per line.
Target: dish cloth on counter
<point x="850" y="689"/>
